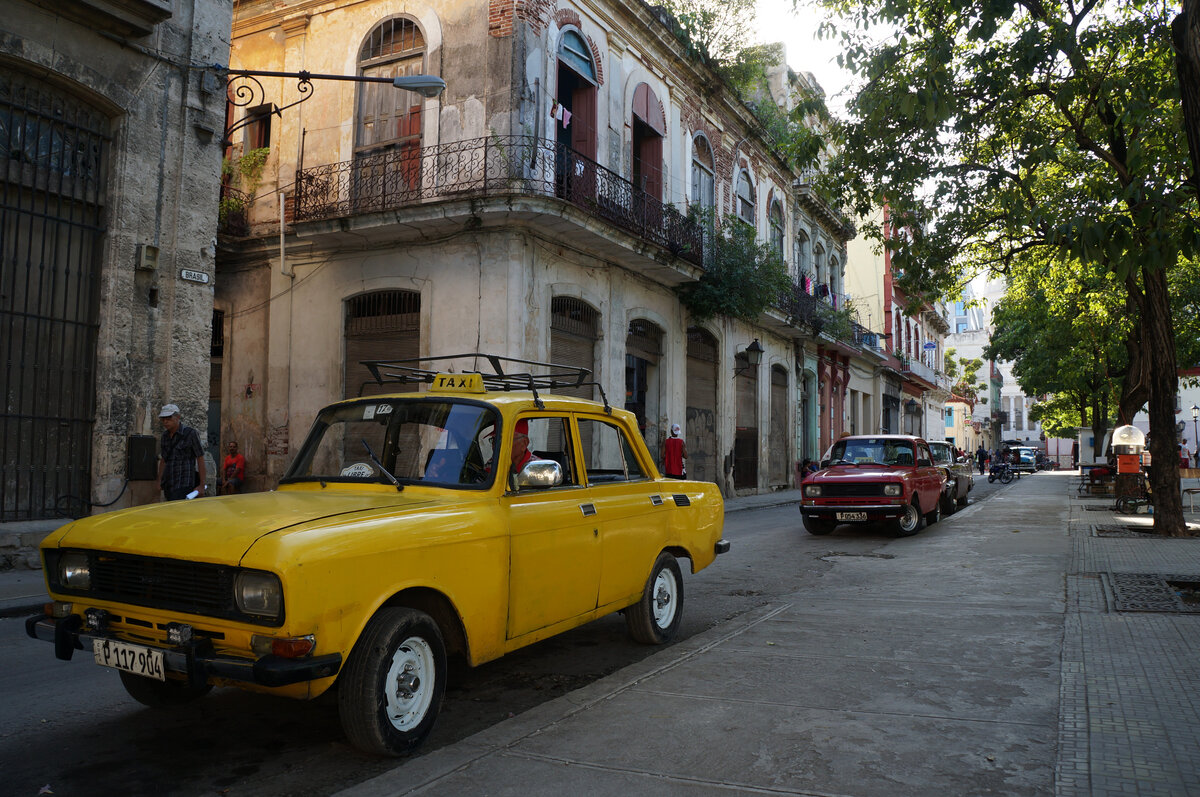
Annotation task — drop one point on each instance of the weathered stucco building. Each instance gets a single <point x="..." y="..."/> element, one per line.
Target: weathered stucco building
<point x="109" y="145"/>
<point x="535" y="209"/>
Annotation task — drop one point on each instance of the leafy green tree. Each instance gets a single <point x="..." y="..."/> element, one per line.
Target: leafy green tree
<point x="1063" y="326"/>
<point x="965" y="385"/>
<point x="990" y="131"/>
<point x="744" y="277"/>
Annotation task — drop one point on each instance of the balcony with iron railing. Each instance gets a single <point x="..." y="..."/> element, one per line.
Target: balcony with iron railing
<point x="496" y="166"/>
<point x="822" y="316"/>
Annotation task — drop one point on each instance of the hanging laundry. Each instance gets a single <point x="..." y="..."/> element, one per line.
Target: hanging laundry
<point x="566" y="117"/>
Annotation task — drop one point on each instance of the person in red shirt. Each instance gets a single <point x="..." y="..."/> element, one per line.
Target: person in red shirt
<point x="233" y="471"/>
<point x="674" y="453"/>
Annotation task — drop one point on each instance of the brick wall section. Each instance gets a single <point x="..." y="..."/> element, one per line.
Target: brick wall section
<point x="500" y="17"/>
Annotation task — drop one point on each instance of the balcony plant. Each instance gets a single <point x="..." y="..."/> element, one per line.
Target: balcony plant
<point x="243" y="176"/>
<point x="743" y="278"/>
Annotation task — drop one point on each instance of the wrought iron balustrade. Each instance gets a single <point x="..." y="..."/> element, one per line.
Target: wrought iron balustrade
<point x="493" y="166"/>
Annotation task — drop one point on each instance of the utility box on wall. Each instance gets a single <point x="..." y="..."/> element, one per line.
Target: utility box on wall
<point x="142" y="463"/>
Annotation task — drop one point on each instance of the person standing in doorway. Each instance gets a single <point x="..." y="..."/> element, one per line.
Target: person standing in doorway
<point x="674" y="454"/>
<point x="233" y="471"/>
<point x="181" y="460"/>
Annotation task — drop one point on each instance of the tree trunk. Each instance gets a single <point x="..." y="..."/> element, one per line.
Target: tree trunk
<point x="1185" y="36"/>
<point x="1136" y="390"/>
<point x="1158" y="347"/>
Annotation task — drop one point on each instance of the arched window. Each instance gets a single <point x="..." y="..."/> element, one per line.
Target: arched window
<point x="803" y="267"/>
<point x="819" y="260"/>
<point x="776" y="219"/>
<point x="648" y="126"/>
<point x="389" y="118"/>
<point x="704" y="192"/>
<point x="745" y="198"/>
<point x="835" y="282"/>
<point x="576" y="95"/>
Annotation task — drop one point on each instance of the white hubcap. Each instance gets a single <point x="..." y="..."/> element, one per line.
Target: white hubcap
<point x="664" y="598"/>
<point x="409" y="683"/>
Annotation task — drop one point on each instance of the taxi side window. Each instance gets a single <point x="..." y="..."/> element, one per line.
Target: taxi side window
<point x="607" y="453"/>
<point x="550" y="438"/>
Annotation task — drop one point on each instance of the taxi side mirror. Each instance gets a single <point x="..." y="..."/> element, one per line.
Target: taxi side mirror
<point x="538" y="474"/>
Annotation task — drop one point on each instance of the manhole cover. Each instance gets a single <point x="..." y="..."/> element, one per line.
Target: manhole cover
<point x="1131" y="532"/>
<point x="1155" y="592"/>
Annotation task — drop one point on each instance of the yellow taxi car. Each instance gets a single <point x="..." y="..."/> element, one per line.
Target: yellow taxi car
<point x="474" y="517"/>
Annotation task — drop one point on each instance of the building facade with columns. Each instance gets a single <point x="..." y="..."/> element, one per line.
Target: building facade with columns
<point x="538" y="208"/>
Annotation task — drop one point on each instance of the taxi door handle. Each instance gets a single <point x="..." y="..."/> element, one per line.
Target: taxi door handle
<point x="587" y="509"/>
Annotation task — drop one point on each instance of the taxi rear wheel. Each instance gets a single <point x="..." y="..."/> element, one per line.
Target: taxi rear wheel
<point x="655" y="618"/>
<point x="161" y="694"/>
<point x="391" y="689"/>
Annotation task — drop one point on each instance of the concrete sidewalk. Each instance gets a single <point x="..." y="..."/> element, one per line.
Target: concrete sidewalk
<point x="982" y="656"/>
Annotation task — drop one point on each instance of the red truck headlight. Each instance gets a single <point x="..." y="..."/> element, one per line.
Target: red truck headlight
<point x="812" y="491"/>
<point x="892" y="489"/>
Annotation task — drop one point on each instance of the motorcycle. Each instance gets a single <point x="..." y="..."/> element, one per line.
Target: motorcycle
<point x="1002" y="471"/>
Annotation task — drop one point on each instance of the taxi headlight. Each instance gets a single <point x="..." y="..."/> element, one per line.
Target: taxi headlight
<point x="812" y="491"/>
<point x="74" y="571"/>
<point x="892" y="489"/>
<point x="258" y="593"/>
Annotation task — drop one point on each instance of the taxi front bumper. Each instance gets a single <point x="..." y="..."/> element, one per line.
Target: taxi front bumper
<point x="194" y="660"/>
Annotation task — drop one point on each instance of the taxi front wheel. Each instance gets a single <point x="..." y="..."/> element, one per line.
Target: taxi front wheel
<point x="391" y="690"/>
<point x="655" y="618"/>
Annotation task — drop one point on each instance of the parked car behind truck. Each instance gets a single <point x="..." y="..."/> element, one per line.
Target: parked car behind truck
<point x="959" y="476"/>
<point x="401" y="534"/>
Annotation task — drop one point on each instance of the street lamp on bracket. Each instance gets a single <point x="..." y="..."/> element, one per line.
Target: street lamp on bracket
<point x="245" y="89"/>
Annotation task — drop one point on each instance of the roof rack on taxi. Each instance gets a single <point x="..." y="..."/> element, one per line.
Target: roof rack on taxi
<point x="507" y="373"/>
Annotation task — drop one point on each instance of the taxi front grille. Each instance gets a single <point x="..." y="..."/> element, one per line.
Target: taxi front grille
<point x="168" y="584"/>
<point x="852" y="490"/>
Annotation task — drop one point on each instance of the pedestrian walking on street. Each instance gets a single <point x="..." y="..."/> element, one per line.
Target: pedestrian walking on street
<point x="181" y="471"/>
<point x="981" y="456"/>
<point x="673" y="455"/>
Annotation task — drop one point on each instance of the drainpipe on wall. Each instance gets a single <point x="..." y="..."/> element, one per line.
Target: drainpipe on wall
<point x="283" y="269"/>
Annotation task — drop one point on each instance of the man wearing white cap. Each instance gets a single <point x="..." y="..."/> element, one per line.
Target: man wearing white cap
<point x="181" y="464"/>
<point x="674" y="453"/>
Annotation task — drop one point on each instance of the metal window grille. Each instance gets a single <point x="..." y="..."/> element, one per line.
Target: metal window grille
<point x="53" y="150"/>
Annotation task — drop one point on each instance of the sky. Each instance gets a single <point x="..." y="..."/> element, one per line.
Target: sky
<point x="797" y="29"/>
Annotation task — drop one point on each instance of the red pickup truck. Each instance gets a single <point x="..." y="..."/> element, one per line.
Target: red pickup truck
<point x="873" y="478"/>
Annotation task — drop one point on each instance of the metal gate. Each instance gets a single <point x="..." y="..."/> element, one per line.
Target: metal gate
<point x="53" y="150"/>
<point x="385" y="325"/>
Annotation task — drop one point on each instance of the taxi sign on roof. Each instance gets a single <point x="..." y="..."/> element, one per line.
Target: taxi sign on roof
<point x="459" y="383"/>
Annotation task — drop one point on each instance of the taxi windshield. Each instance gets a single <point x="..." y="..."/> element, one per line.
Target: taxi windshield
<point x="871" y="451"/>
<point x="443" y="442"/>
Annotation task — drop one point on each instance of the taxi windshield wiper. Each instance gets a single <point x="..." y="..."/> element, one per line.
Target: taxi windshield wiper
<point x="375" y="459"/>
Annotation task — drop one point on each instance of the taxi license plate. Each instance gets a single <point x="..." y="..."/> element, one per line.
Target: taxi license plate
<point x="850" y="517"/>
<point x="137" y="659"/>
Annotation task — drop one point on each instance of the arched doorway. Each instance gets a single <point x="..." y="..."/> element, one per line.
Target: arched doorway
<point x="700" y="427"/>
<point x="643" y="350"/>
<point x="574" y="329"/>
<point x="53" y="163"/>
<point x="745" y="442"/>
<point x="384" y="325"/>
<point x="779" y="474"/>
